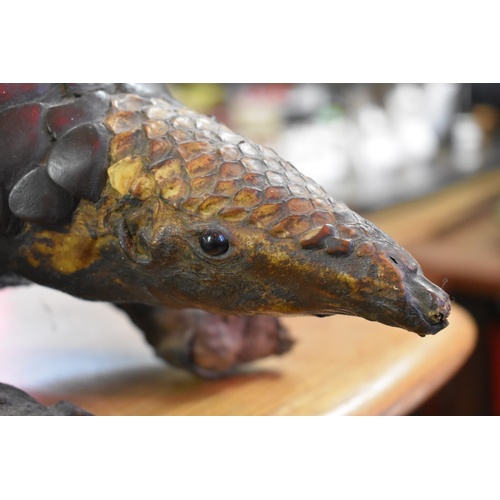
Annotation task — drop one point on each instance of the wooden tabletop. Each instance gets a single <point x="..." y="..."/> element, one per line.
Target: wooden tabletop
<point x="90" y="354"/>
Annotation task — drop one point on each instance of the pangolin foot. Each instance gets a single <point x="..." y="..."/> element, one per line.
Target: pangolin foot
<point x="212" y="345"/>
<point x="209" y="345"/>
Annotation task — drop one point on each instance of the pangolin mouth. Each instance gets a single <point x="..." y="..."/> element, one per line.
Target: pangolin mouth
<point x="439" y="319"/>
<point x="435" y="327"/>
<point x="429" y="309"/>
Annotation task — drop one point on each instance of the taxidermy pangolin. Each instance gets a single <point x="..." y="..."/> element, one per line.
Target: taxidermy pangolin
<point x="117" y="192"/>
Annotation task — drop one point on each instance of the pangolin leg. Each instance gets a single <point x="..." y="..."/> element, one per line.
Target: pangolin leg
<point x="209" y="345"/>
<point x="15" y="402"/>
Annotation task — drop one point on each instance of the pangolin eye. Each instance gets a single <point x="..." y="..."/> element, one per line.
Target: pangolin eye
<point x="214" y="242"/>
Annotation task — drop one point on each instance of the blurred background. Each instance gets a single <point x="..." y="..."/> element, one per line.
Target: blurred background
<point x="420" y="160"/>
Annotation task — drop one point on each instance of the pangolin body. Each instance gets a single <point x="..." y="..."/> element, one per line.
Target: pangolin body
<point x="117" y="192"/>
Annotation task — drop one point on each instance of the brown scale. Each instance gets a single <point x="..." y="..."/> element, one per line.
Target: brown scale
<point x="317" y="237"/>
<point x="327" y="237"/>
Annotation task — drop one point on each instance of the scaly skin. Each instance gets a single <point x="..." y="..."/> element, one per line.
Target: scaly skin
<point x="174" y="174"/>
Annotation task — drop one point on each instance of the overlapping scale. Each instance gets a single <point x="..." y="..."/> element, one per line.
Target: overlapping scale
<point x="78" y="163"/>
<point x="215" y="175"/>
<point x="24" y="140"/>
<point x="37" y="198"/>
<point x="91" y="107"/>
<point x="12" y="94"/>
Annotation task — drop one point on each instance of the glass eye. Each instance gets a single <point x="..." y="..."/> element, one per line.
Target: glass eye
<point x="214" y="243"/>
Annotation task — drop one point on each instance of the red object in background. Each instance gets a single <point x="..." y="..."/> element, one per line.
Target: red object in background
<point x="268" y="91"/>
<point x="493" y="333"/>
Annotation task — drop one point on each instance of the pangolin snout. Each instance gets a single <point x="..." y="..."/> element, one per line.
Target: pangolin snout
<point x="430" y="307"/>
